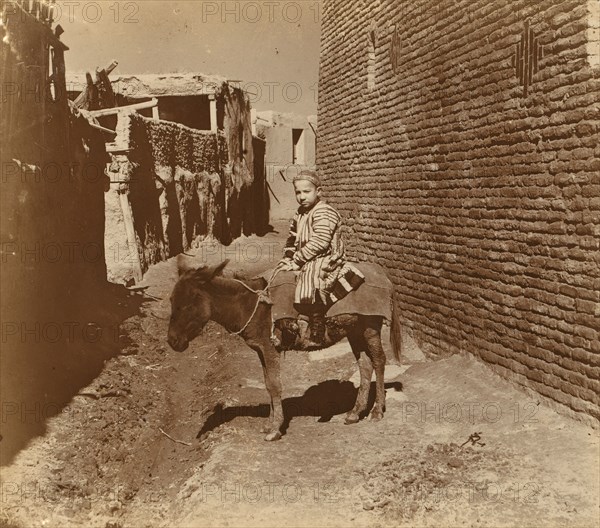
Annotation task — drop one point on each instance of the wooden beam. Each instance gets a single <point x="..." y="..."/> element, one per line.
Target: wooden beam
<point x="88" y="94"/>
<point x="98" y="127"/>
<point x="213" y="113"/>
<point x="106" y="95"/>
<point x="117" y="109"/>
<point x="116" y="148"/>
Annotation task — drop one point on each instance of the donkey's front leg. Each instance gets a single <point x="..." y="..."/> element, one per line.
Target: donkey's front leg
<point x="271" y="363"/>
<point x="273" y="383"/>
<point x="267" y="427"/>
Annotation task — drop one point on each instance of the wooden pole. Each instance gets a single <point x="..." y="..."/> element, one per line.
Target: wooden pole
<point x="213" y="113"/>
<point x="130" y="232"/>
<point x="111" y="67"/>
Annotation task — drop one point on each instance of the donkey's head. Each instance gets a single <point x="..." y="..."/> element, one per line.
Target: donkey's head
<point x="191" y="305"/>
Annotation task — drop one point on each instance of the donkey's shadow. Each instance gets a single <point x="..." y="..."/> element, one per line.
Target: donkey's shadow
<point x="325" y="400"/>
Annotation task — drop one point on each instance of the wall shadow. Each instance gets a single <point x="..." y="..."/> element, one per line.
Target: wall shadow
<point x="47" y="359"/>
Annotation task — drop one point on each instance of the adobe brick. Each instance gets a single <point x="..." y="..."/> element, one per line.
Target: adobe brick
<point x="431" y="209"/>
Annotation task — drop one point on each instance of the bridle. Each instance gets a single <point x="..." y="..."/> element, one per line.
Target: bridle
<point x="262" y="296"/>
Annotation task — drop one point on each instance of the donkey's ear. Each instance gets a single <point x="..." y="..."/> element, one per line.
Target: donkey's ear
<point x="218" y="270"/>
<point x="207" y="273"/>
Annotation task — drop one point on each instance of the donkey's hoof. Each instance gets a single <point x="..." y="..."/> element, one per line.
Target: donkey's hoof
<point x="376" y="416"/>
<point x="351" y="419"/>
<point x="271" y="437"/>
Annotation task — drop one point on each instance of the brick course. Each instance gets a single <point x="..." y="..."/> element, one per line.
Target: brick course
<point x="482" y="202"/>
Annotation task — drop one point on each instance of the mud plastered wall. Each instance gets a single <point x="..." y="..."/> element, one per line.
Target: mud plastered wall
<point x="52" y="164"/>
<point x="460" y="142"/>
<point x="51" y="233"/>
<point x="172" y="177"/>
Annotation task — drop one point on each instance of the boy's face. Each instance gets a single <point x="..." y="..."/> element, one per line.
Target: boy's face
<point x="306" y="193"/>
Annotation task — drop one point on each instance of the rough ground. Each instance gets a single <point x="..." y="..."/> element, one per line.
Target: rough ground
<point x="106" y="461"/>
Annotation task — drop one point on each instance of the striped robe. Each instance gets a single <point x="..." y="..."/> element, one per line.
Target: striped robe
<point x="315" y="244"/>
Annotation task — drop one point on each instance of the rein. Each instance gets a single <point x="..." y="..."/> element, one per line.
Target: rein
<point x="262" y="296"/>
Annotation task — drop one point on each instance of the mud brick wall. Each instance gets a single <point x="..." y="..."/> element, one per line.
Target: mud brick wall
<point x="459" y="139"/>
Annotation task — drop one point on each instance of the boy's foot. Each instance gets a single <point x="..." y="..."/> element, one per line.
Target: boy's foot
<point x="316" y="337"/>
<point x="303" y="342"/>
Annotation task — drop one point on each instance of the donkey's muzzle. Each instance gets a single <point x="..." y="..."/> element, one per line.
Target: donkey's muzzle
<point x="178" y="344"/>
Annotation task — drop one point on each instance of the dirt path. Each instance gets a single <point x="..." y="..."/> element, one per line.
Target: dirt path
<point x="165" y="439"/>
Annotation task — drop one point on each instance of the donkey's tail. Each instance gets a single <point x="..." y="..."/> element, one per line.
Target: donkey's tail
<point x="396" y="331"/>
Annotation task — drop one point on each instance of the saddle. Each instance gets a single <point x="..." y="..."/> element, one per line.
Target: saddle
<point x="373" y="297"/>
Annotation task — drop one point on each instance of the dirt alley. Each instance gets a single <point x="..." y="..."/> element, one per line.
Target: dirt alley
<point x="161" y="438"/>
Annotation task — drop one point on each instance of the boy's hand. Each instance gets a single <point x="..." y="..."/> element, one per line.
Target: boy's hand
<point x="288" y="265"/>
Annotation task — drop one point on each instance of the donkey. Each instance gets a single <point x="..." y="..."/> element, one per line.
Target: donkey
<point x="203" y="294"/>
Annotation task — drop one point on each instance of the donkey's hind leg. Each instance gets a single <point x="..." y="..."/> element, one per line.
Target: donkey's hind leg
<point x="365" y="368"/>
<point x="372" y="335"/>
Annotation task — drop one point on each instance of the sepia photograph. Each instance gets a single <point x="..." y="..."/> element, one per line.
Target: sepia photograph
<point x="305" y="263"/>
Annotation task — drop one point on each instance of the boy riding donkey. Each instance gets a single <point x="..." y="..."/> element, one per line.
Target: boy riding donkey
<point x="315" y="251"/>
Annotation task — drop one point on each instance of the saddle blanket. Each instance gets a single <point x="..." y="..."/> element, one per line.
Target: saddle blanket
<point x="373" y="297"/>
